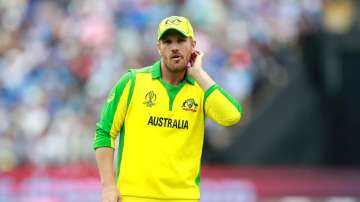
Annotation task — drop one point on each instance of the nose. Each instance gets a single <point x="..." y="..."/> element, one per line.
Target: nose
<point x="174" y="47"/>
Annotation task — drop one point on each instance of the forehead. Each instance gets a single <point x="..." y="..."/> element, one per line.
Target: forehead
<point x="172" y="34"/>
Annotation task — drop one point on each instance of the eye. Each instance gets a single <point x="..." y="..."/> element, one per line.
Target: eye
<point x="181" y="40"/>
<point x="167" y="41"/>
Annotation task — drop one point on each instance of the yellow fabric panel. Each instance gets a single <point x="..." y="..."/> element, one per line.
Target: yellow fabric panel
<point x="119" y="114"/>
<point x="162" y="160"/>
<point x="220" y="109"/>
<point x="139" y="199"/>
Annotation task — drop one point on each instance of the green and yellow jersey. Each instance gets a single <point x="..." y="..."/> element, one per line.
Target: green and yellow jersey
<point x="161" y="132"/>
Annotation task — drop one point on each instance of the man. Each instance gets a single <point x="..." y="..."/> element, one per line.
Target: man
<point x="159" y="111"/>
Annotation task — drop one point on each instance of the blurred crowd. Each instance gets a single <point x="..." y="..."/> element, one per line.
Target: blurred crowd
<point x="59" y="59"/>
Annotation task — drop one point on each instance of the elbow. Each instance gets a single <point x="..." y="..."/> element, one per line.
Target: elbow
<point x="231" y="120"/>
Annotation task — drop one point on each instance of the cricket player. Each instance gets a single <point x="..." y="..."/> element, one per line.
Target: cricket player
<point x="159" y="112"/>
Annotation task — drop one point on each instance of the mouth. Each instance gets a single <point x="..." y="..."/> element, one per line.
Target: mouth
<point x="176" y="57"/>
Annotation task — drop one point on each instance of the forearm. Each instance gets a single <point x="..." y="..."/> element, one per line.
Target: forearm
<point x="203" y="79"/>
<point x="104" y="159"/>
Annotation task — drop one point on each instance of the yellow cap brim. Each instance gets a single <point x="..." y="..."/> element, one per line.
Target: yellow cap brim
<point x="169" y="29"/>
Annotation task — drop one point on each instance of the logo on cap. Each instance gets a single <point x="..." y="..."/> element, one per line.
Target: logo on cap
<point x="172" y="21"/>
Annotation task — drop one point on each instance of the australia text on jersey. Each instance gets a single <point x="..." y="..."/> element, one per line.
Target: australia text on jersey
<point x="168" y="122"/>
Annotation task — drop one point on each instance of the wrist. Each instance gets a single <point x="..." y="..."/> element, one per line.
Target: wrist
<point x="198" y="73"/>
<point x="108" y="183"/>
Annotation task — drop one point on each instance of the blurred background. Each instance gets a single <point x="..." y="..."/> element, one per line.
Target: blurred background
<point x="292" y="64"/>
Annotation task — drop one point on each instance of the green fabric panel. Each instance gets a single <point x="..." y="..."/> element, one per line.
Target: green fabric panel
<point x="120" y="151"/>
<point x="231" y="99"/>
<point x="132" y="85"/>
<point x="190" y="79"/>
<point x="101" y="138"/>
<point x="172" y="91"/>
<point x="103" y="126"/>
<point x="147" y="69"/>
<point x="156" y="70"/>
<point x="198" y="178"/>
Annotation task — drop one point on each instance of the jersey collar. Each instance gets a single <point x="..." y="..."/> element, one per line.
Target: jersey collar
<point x="156" y="73"/>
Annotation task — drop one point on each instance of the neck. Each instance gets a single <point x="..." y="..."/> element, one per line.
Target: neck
<point x="173" y="78"/>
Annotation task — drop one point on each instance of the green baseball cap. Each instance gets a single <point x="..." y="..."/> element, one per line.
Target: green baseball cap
<point x="178" y="23"/>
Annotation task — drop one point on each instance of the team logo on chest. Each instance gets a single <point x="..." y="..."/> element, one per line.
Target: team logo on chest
<point x="190" y="105"/>
<point x="150" y="99"/>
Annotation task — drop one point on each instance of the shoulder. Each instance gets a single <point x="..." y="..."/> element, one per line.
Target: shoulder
<point x="142" y="70"/>
<point x="141" y="73"/>
<point x="124" y="78"/>
<point x="132" y="72"/>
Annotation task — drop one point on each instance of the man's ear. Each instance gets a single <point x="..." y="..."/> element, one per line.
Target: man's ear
<point x="158" y="47"/>
<point x="193" y="44"/>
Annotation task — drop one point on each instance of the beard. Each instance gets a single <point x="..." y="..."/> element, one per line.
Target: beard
<point x="176" y="65"/>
